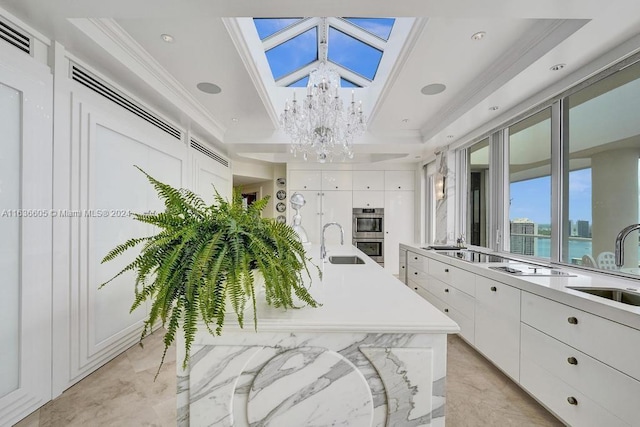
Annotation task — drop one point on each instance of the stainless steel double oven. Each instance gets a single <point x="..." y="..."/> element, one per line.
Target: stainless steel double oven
<point x="368" y="232"/>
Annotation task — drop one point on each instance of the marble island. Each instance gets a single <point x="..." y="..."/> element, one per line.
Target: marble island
<point x="374" y="354"/>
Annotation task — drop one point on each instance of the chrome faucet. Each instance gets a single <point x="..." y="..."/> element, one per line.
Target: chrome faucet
<point x="620" y="242"/>
<point x="323" y="251"/>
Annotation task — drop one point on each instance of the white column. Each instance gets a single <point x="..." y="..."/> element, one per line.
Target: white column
<point x="615" y="200"/>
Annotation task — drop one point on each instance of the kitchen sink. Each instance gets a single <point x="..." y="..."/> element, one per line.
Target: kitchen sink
<point x="613" y="294"/>
<point x="345" y="259"/>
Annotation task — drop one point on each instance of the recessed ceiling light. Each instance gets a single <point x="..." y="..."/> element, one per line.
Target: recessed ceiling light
<point x="167" y="38"/>
<point x="494" y="108"/>
<point x="558" y="67"/>
<point x="209" y="87"/>
<point x="479" y="35"/>
<point x="433" y="89"/>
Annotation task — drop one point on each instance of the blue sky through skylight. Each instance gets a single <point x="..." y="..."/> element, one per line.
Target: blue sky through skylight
<point x="303" y="82"/>
<point x="380" y="27"/>
<point x="353" y="54"/>
<point x="269" y="26"/>
<point x="293" y="54"/>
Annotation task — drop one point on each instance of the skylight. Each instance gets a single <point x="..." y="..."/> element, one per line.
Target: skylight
<point x="295" y="46"/>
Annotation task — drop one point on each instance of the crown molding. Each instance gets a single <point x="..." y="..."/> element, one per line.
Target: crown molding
<point x="118" y="43"/>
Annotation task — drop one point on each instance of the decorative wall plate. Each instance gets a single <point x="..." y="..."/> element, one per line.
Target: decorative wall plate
<point x="281" y="182"/>
<point x="281" y="219"/>
<point x="281" y="194"/>
<point x="281" y="207"/>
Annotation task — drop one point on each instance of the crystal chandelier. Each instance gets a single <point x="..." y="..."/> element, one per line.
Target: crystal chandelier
<point x="320" y="124"/>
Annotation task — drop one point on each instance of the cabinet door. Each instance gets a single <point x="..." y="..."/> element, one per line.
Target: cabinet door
<point x="399" y="180"/>
<point x="336" y="207"/>
<point x="310" y="213"/>
<point x="497" y="332"/>
<point x="368" y="180"/>
<point x="398" y="225"/>
<point x="368" y="199"/>
<point x="305" y="180"/>
<point x="336" y="180"/>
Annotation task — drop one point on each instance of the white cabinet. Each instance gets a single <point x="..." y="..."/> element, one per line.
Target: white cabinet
<point x="497" y="320"/>
<point x="368" y="199"/>
<point x="336" y="207"/>
<point x="305" y="180"/>
<point x="402" y="274"/>
<point x="398" y="225"/>
<point x="336" y="180"/>
<point x="399" y="180"/>
<point x="368" y="180"/>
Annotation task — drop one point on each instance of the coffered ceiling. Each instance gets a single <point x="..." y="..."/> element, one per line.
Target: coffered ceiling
<point x="214" y="41"/>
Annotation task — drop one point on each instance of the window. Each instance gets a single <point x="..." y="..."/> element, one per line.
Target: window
<point x="353" y="54"/>
<point x="530" y="186"/>
<point x="293" y="54"/>
<point x="269" y="26"/>
<point x="380" y="27"/>
<point x="478" y="193"/>
<point x="604" y="151"/>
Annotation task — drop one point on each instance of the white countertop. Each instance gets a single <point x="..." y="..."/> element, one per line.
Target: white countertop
<point x="554" y="288"/>
<point x="355" y="298"/>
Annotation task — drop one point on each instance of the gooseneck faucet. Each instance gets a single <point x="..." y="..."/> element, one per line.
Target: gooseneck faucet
<point x="620" y="242"/>
<point x="323" y="251"/>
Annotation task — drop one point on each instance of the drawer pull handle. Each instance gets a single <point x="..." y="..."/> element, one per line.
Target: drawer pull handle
<point x="368" y="187"/>
<point x="402" y="266"/>
<point x="572" y="320"/>
<point x="415" y="288"/>
<point x="415" y="257"/>
<point x="446" y="289"/>
<point x="415" y="272"/>
<point x="446" y="270"/>
<point x="494" y="289"/>
<point x="572" y="400"/>
<point x="446" y="310"/>
<point x="572" y="361"/>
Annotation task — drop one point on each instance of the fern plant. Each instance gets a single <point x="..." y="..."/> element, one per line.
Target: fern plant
<point x="205" y="257"/>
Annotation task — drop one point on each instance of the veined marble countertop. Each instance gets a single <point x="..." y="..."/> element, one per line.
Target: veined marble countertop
<point x="354" y="298"/>
<point x="554" y="288"/>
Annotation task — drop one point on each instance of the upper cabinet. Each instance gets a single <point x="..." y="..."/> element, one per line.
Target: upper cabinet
<point x="368" y="180"/>
<point x="399" y="180"/>
<point x="305" y="180"/>
<point x="336" y="180"/>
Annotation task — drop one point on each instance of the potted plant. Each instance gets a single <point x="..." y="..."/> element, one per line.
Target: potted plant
<point x="205" y="258"/>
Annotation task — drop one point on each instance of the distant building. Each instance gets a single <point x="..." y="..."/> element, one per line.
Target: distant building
<point x="584" y="229"/>
<point x="521" y="243"/>
<point x="573" y="227"/>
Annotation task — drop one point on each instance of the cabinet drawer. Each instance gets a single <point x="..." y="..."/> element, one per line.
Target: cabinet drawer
<point x="555" y="394"/>
<point x="418" y="262"/>
<point x="399" y="180"/>
<point x="419" y="277"/>
<point x="465" y="323"/>
<point x="463" y="280"/>
<point x="368" y="180"/>
<point x="440" y="271"/>
<point x="609" y="342"/>
<point x="452" y="296"/>
<point x="616" y="392"/>
<point x="305" y="180"/>
<point x="337" y="180"/>
<point x="497" y="317"/>
<point x="368" y="199"/>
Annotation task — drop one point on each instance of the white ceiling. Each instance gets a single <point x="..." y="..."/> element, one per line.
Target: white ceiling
<point x="508" y="68"/>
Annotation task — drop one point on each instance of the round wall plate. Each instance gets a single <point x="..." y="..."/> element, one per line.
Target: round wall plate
<point x="281" y="182"/>
<point x="281" y="194"/>
<point x="281" y="207"/>
<point x="281" y="219"/>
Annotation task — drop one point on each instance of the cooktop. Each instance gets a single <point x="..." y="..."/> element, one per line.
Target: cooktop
<point x="473" y="256"/>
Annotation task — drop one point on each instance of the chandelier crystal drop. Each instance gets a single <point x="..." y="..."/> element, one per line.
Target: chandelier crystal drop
<point x="320" y="124"/>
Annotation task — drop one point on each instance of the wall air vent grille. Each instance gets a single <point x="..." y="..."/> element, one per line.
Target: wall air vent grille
<point x="196" y="145"/>
<point x="15" y="38"/>
<point x="95" y="84"/>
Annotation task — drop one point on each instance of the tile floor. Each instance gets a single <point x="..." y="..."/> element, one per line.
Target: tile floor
<point x="122" y="393"/>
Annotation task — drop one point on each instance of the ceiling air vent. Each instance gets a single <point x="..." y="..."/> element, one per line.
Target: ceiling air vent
<point x="195" y="144"/>
<point x="92" y="82"/>
<point x="14" y="37"/>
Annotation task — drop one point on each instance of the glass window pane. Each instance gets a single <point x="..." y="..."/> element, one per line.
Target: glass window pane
<point x="269" y="26"/>
<point x="380" y="27"/>
<point x="478" y="187"/>
<point x="353" y="54"/>
<point x="604" y="152"/>
<point x="530" y="185"/>
<point x="10" y="125"/>
<point x="347" y="83"/>
<point x="303" y="82"/>
<point x="293" y="54"/>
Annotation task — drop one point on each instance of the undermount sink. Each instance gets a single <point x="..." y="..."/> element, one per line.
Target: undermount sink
<point x="345" y="259"/>
<point x="613" y="294"/>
